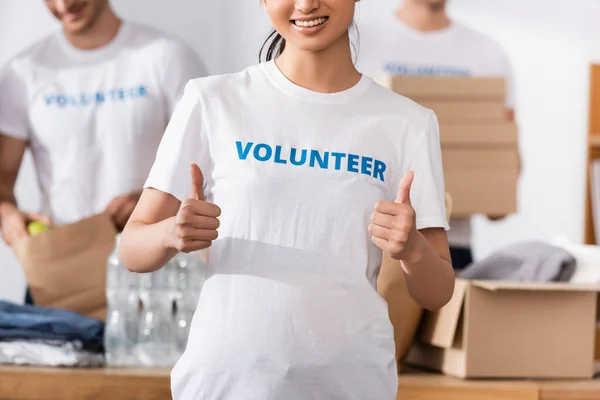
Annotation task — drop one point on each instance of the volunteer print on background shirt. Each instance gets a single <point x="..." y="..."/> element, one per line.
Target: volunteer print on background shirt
<point x="388" y="46"/>
<point x="93" y="119"/>
<point x="289" y="308"/>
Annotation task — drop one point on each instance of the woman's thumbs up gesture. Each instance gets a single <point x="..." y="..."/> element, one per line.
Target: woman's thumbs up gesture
<point x="393" y="224"/>
<point x="196" y="221"/>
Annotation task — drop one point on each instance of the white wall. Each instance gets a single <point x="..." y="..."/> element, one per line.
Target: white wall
<point x="549" y="41"/>
<point x="13" y="37"/>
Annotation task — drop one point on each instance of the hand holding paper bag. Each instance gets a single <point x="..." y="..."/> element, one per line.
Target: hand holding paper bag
<point x="13" y="223"/>
<point x="120" y="208"/>
<point x="66" y="266"/>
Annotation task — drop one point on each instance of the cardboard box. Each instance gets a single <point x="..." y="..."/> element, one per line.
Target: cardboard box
<point x="453" y="99"/>
<point x="480" y="150"/>
<point x="482" y="192"/>
<point x="425" y="87"/>
<point x="479" y="135"/>
<point x="404" y="313"/>
<point x="495" y="329"/>
<point x="467" y="111"/>
<point x="481" y="168"/>
<point x="482" y="180"/>
<point x="482" y="160"/>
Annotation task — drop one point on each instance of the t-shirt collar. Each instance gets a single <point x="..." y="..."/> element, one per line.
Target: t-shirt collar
<point x="439" y="34"/>
<point x="99" y="54"/>
<point x="284" y="84"/>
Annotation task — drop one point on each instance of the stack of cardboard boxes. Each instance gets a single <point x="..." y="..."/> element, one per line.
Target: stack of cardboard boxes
<point x="479" y="144"/>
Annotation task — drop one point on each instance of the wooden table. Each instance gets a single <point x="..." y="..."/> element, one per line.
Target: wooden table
<point x="20" y="383"/>
<point x="427" y="386"/>
<point x="141" y="384"/>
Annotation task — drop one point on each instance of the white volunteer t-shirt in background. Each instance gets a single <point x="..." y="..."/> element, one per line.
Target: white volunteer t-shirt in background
<point x="94" y="119"/>
<point x="289" y="308"/>
<point x="389" y="46"/>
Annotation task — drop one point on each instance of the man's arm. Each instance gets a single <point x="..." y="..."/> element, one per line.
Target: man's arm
<point x="120" y="208"/>
<point x="15" y="131"/>
<point x="510" y="117"/>
<point x="11" y="156"/>
<point x="13" y="222"/>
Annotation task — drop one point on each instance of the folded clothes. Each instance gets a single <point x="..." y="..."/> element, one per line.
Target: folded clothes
<point x="30" y="322"/>
<point x="48" y="354"/>
<point x="530" y="261"/>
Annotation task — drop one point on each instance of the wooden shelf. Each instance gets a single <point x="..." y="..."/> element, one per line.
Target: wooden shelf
<point x="593" y="149"/>
<point x="594" y="140"/>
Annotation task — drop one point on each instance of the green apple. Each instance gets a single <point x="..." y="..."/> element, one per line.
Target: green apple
<point x="36" y="227"/>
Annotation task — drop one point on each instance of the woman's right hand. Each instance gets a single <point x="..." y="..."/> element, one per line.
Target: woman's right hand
<point x="13" y="223"/>
<point x="196" y="222"/>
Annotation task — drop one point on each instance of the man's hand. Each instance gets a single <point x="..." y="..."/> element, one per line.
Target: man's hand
<point x="393" y="224"/>
<point x="13" y="223"/>
<point x="121" y="208"/>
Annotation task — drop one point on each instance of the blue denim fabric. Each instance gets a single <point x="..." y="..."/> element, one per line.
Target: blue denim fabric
<point x="28" y="322"/>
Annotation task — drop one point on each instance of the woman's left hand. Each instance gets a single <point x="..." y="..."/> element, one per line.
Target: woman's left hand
<point x="393" y="224"/>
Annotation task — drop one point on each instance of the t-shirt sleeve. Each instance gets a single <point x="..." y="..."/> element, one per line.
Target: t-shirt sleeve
<point x="428" y="191"/>
<point x="14" y="115"/>
<point x="510" y="88"/>
<point x="183" y="64"/>
<point x="507" y="72"/>
<point x="183" y="143"/>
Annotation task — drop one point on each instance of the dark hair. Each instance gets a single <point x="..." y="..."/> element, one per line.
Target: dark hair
<point x="277" y="45"/>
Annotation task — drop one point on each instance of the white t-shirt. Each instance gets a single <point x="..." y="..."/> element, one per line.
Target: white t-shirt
<point x="93" y="119"/>
<point x="289" y="308"/>
<point x="389" y="46"/>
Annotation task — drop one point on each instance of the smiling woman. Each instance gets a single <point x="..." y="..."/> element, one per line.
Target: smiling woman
<point x="305" y="25"/>
<point x="297" y="173"/>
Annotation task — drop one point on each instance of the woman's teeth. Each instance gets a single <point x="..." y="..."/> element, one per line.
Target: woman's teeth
<point x="308" y="24"/>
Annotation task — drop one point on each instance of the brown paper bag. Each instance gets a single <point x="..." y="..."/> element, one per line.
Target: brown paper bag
<point x="405" y="314"/>
<point x="65" y="266"/>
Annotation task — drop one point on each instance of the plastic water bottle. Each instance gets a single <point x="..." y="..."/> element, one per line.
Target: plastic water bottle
<point x="120" y="332"/>
<point x="132" y="316"/>
<point x="115" y="337"/>
<point x="156" y="340"/>
<point x="191" y="273"/>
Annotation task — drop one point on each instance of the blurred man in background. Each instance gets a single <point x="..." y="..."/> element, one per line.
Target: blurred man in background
<point x="91" y="102"/>
<point x="420" y="39"/>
